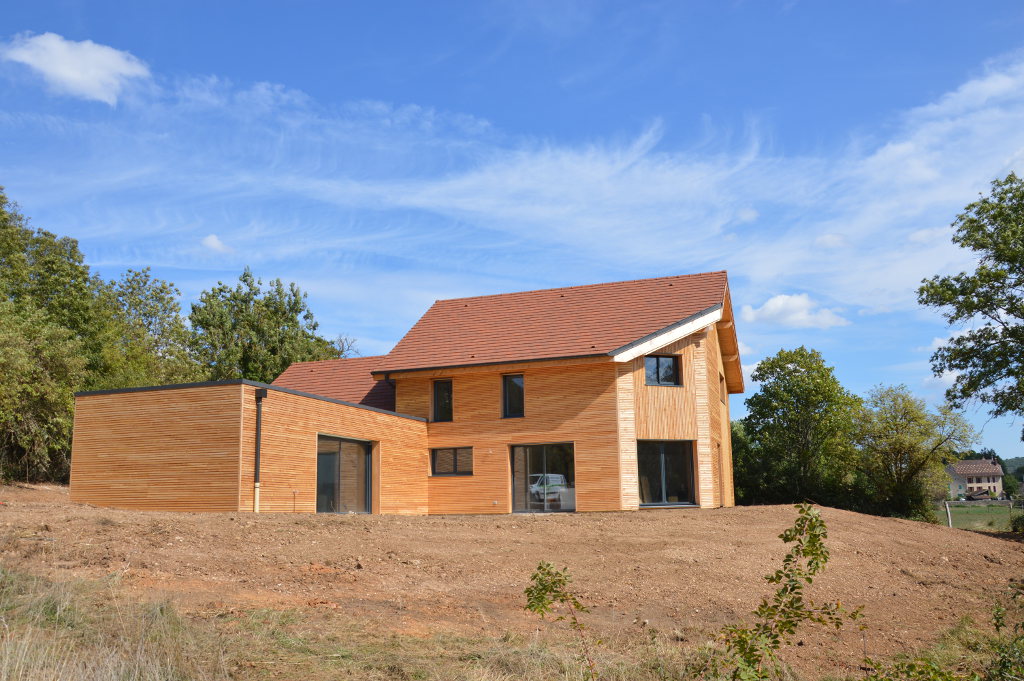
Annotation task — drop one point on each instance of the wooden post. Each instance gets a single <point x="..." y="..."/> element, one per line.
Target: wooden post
<point x="949" y="516"/>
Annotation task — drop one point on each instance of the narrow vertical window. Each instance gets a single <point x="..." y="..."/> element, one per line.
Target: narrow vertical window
<point x="442" y="400"/>
<point x="512" y="396"/>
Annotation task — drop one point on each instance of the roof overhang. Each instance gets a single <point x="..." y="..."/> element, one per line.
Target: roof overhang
<point x="670" y="334"/>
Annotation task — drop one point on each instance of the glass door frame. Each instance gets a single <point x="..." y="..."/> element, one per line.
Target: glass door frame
<point x="368" y="489"/>
<point x="692" y="474"/>
<point x="512" y="476"/>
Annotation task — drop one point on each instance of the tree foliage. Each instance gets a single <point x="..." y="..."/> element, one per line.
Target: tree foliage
<point x="904" y="448"/>
<point x="800" y="424"/>
<point x="41" y="364"/>
<point x="63" y="328"/>
<point x="987" y="355"/>
<point x="249" y="332"/>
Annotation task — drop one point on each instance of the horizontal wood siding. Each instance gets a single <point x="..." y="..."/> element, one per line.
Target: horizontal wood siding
<point x="626" y="398"/>
<point x="291" y="424"/>
<point x="707" y="484"/>
<point x="564" y="403"/>
<point x="168" y="450"/>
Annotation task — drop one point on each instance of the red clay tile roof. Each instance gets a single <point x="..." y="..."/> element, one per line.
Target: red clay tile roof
<point x="561" y="322"/>
<point x="346" y="379"/>
<point x="978" y="467"/>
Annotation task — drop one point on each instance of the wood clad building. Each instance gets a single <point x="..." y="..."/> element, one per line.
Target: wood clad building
<point x="586" y="398"/>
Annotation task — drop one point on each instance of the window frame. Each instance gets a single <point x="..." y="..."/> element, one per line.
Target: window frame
<point x="455" y="462"/>
<point x="505" y="379"/>
<point x="434" y="402"/>
<point x="677" y="367"/>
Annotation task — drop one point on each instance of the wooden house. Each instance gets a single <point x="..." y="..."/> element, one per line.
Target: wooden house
<point x="586" y="398"/>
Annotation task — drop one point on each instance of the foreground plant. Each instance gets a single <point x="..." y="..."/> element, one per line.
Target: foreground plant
<point x="549" y="588"/>
<point x="752" y="652"/>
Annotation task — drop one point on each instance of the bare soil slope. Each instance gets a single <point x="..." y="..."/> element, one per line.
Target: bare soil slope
<point x="684" y="571"/>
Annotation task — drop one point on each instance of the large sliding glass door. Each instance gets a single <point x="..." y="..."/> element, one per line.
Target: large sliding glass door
<point x="543" y="477"/>
<point x="342" y="475"/>
<point x="666" y="472"/>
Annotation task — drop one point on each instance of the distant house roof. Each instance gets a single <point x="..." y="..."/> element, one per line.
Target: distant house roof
<point x="575" y="321"/>
<point x="975" y="467"/>
<point x="347" y="379"/>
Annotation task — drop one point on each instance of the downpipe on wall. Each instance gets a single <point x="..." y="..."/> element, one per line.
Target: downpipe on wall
<point x="261" y="393"/>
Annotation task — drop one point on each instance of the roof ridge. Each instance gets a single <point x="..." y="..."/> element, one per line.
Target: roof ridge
<point x="582" y="286"/>
<point x="336" y="359"/>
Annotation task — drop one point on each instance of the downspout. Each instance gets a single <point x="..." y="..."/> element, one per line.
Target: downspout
<point x="260" y="394"/>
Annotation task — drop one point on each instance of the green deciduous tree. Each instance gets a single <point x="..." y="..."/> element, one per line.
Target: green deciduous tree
<point x="144" y="339"/>
<point x="904" y="448"/>
<point x="41" y="364"/>
<point x="249" y="332"/>
<point x="800" y="425"/>
<point x="987" y="358"/>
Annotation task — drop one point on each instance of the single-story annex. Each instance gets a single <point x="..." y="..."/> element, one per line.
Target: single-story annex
<point x="586" y="398"/>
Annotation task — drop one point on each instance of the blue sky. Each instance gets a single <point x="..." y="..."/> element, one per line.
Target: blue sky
<point x="384" y="155"/>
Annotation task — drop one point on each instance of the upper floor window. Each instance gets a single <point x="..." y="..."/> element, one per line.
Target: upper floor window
<point x="442" y="401"/>
<point x="512" y="397"/>
<point x="662" y="370"/>
<point x="451" y="461"/>
<point x="723" y="389"/>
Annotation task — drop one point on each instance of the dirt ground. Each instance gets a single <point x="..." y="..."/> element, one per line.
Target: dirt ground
<point x="683" y="571"/>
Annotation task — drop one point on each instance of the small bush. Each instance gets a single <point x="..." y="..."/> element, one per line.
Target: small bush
<point x="1017" y="524"/>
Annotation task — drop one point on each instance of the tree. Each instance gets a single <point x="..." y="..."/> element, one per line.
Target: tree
<point x="39" y="270"/>
<point x="144" y="338"/>
<point x="800" y="424"/>
<point x="249" y="332"/>
<point x="987" y="356"/>
<point x="41" y="363"/>
<point x="904" y="449"/>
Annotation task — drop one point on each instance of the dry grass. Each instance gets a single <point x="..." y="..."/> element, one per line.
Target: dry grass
<point x="93" y="631"/>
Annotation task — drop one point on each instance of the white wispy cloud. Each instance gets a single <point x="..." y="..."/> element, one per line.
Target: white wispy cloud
<point x="796" y="311"/>
<point x="77" y="68"/>
<point x="213" y="242"/>
<point x="407" y="204"/>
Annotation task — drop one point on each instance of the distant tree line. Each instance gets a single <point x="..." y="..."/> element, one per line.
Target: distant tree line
<point x="805" y="437"/>
<point x="64" y="329"/>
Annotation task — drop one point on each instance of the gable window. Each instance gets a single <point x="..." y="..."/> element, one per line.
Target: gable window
<point x="451" y="461"/>
<point x="442" y="401"/>
<point x="662" y="370"/>
<point x="512" y="397"/>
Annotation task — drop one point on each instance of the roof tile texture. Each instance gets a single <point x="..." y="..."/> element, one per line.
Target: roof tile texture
<point x="551" y="323"/>
<point x="345" y="379"/>
<point x="978" y="467"/>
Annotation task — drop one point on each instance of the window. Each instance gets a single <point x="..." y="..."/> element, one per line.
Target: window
<point x="662" y="370"/>
<point x="512" y="396"/>
<point x="442" y="400"/>
<point x="451" y="461"/>
<point x="723" y="391"/>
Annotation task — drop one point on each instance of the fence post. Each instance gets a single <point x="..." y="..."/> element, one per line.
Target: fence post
<point x="949" y="516"/>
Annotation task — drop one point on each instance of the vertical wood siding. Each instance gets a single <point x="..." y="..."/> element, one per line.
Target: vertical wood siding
<point x="173" y="450"/>
<point x="668" y="412"/>
<point x="713" y="357"/>
<point x="564" y="403"/>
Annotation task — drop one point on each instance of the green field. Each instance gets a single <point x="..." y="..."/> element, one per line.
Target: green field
<point x="992" y="518"/>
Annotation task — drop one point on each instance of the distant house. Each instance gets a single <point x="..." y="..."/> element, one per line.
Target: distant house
<point x="586" y="398"/>
<point x="975" y="476"/>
